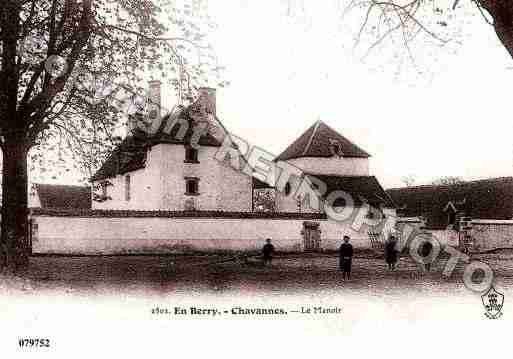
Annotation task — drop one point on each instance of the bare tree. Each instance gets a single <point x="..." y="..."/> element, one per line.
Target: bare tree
<point x="410" y="18"/>
<point x="408" y="180"/>
<point x="448" y="180"/>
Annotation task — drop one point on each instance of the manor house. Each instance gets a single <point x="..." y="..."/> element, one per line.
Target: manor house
<point x="168" y="189"/>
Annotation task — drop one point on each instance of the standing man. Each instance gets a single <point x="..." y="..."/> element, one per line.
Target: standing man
<point x="391" y="253"/>
<point x="346" y="257"/>
<point x="268" y="251"/>
<point x="425" y="252"/>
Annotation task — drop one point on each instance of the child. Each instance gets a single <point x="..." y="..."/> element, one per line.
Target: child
<point x="268" y="251"/>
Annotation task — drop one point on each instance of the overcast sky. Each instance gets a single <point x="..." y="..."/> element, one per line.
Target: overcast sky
<point x="286" y="73"/>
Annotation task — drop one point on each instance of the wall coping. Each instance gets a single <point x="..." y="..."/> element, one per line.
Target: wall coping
<point x="492" y="221"/>
<point x="48" y="212"/>
<point x="408" y="220"/>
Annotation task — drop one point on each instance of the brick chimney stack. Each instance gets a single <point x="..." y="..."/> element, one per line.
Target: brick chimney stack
<point x="205" y="112"/>
<point x="154" y="97"/>
<point x="207" y="98"/>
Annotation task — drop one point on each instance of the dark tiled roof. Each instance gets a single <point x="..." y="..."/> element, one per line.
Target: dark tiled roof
<point x="316" y="142"/>
<point x="130" y="154"/>
<point x="482" y="199"/>
<point x="64" y="197"/>
<point x="360" y="188"/>
<point x="257" y="184"/>
<point x="175" y="137"/>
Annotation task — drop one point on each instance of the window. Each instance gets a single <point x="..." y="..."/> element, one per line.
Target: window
<point x="189" y="204"/>
<point x="191" y="186"/>
<point x="299" y="202"/>
<point x="100" y="193"/>
<point x="288" y="189"/>
<point x="375" y="212"/>
<point x="103" y="188"/>
<point x="127" y="188"/>
<point x="191" y="155"/>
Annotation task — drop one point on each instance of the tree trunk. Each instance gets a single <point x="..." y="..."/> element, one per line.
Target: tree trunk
<point x="502" y="14"/>
<point x="505" y="34"/>
<point x="14" y="249"/>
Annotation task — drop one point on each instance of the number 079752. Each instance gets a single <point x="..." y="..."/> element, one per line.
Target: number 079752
<point x="34" y="343"/>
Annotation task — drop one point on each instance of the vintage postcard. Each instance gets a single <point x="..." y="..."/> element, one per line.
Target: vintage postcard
<point x="294" y="178"/>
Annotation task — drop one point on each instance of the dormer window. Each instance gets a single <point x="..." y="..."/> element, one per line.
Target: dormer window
<point x="451" y="217"/>
<point x="451" y="211"/>
<point x="288" y="189"/>
<point x="336" y="148"/>
<point x="191" y="155"/>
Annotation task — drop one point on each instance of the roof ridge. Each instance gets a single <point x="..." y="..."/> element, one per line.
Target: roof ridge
<point x="316" y="141"/>
<point x="317" y="124"/>
<point x="504" y="178"/>
<point x="60" y="184"/>
<point x="337" y="175"/>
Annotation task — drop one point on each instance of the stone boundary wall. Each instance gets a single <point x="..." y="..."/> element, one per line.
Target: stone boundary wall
<point x="492" y="234"/>
<point x="446" y="237"/>
<point x="486" y="234"/>
<point x="133" y="232"/>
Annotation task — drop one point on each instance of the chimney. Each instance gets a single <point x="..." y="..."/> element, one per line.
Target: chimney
<point x="207" y="97"/>
<point x="204" y="112"/>
<point x="154" y="100"/>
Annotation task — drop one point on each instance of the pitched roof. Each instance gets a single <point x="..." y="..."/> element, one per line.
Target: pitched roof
<point x="130" y="154"/>
<point x="485" y="199"/>
<point x="175" y="137"/>
<point x="361" y="188"/>
<point x="62" y="196"/>
<point x="316" y="142"/>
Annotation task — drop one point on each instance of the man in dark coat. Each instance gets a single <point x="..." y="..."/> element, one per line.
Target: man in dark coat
<point x="268" y="251"/>
<point x="346" y="257"/>
<point x="391" y="253"/>
<point x="425" y="252"/>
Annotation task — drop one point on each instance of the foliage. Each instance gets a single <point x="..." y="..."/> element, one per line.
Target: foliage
<point x="407" y="22"/>
<point x="411" y="35"/>
<point x="69" y="111"/>
<point x="448" y="180"/>
<point x="70" y="71"/>
<point x="408" y="180"/>
<point x="264" y="200"/>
